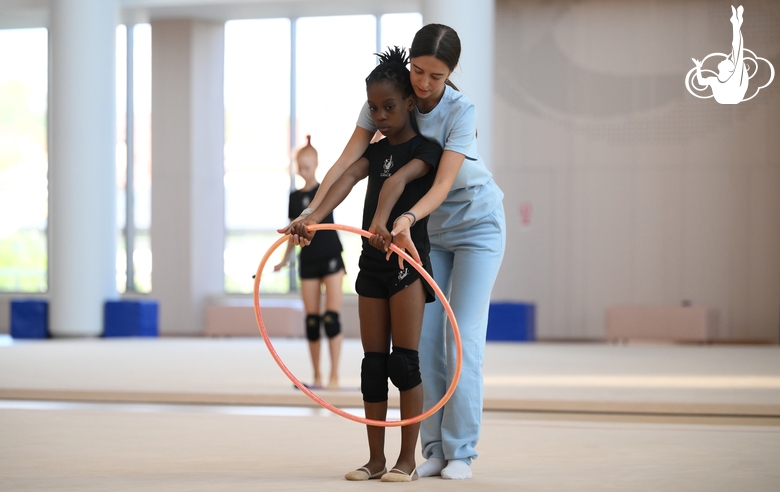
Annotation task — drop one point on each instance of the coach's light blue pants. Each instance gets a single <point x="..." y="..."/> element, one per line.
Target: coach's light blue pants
<point x="465" y="266"/>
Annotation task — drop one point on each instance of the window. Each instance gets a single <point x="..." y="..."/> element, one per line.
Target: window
<point x="320" y="84"/>
<point x="257" y="146"/>
<point x="324" y="89"/>
<point x="133" y="222"/>
<point x="23" y="160"/>
<point x="399" y="29"/>
<point x="331" y="89"/>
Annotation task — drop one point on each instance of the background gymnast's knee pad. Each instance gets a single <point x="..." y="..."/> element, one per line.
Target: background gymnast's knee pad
<point x="373" y="377"/>
<point x="313" y="327"/>
<point x="332" y="324"/>
<point x="403" y="367"/>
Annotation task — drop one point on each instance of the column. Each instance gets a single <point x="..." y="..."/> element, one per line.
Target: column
<point x="474" y="20"/>
<point x="187" y="230"/>
<point x="82" y="165"/>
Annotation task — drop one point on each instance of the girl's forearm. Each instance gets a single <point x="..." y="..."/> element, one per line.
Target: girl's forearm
<point x="388" y="197"/>
<point x="393" y="188"/>
<point x="335" y="195"/>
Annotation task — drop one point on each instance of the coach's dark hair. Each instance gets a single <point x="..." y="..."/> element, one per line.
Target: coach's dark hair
<point x="392" y="67"/>
<point x="439" y="41"/>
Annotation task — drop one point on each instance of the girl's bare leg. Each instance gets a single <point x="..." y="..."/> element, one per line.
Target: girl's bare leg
<point x="375" y="335"/>
<point x="376" y="436"/>
<point x="411" y="406"/>
<point x="311" y="293"/>
<point x="333" y="296"/>
<point x="406" y="314"/>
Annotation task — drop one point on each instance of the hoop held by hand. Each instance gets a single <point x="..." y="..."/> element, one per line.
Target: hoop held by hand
<point x="307" y="391"/>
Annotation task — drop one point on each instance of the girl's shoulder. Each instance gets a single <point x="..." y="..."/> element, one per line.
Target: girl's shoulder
<point x="420" y="142"/>
<point x="377" y="146"/>
<point x="425" y="150"/>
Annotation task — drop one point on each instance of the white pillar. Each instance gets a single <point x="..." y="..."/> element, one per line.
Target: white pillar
<point x="82" y="165"/>
<point x="474" y="20"/>
<point x="187" y="229"/>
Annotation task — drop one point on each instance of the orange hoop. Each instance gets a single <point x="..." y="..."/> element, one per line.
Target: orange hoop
<point x="307" y="391"/>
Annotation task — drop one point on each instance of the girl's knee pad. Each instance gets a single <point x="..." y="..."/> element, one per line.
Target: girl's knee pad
<point x="373" y="377"/>
<point x="331" y="322"/>
<point x="313" y="327"/>
<point x="403" y="367"/>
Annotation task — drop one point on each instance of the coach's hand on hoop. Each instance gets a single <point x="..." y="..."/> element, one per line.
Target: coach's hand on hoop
<point x="402" y="238"/>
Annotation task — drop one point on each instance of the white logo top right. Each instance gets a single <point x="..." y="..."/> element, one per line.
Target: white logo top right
<point x="735" y="70"/>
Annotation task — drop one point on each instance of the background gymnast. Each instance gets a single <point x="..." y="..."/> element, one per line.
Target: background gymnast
<point x="320" y="266"/>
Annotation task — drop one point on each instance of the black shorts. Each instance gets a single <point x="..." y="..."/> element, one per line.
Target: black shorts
<point x="381" y="279"/>
<point x="321" y="268"/>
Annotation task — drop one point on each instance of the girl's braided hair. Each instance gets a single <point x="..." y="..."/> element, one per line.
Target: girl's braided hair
<point x="392" y="67"/>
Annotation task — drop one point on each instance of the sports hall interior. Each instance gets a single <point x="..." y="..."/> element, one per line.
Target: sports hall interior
<point x="643" y="233"/>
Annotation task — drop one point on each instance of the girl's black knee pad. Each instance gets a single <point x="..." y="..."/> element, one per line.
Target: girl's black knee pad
<point x="332" y="324"/>
<point x="373" y="377"/>
<point x="313" y="327"/>
<point x="403" y="367"/>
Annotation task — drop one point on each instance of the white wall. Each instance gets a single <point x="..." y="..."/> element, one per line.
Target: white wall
<point x="641" y="193"/>
<point x="187" y="229"/>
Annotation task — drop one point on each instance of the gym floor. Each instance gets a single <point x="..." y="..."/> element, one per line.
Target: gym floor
<point x="196" y="414"/>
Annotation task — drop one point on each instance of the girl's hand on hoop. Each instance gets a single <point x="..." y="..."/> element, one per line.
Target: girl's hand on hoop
<point x="381" y="238"/>
<point x="299" y="232"/>
<point x="289" y="228"/>
<point x="402" y="238"/>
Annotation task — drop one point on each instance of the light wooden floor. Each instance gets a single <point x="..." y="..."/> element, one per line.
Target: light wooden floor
<point x="218" y="414"/>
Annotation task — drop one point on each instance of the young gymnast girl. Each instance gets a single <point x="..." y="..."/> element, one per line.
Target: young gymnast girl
<point x="320" y="266"/>
<point x="391" y="299"/>
<point x="468" y="237"/>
